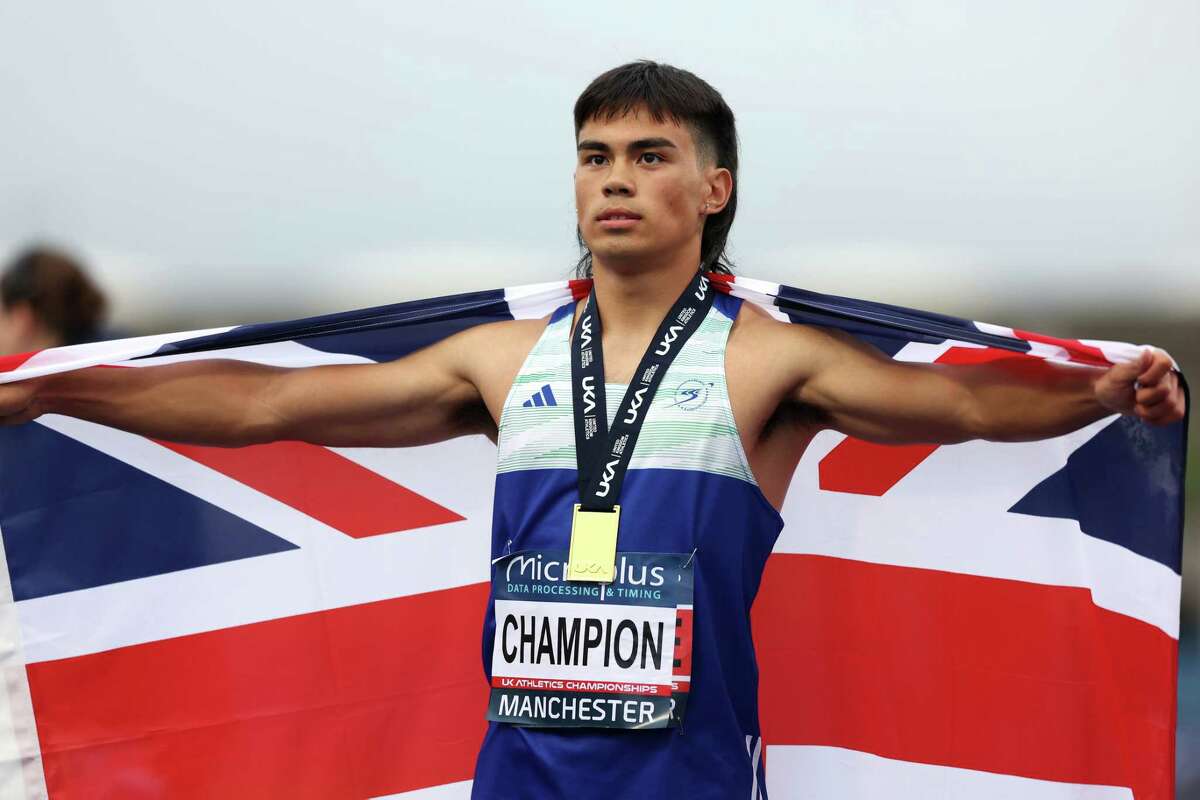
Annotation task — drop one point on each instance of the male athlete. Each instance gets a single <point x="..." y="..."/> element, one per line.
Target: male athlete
<point x="698" y="485"/>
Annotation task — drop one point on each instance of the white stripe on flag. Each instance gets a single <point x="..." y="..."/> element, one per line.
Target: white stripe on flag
<point x="21" y="773"/>
<point x="536" y="300"/>
<point x="448" y="791"/>
<point x="755" y="755"/>
<point x="275" y="354"/>
<point x="78" y="356"/>
<point x="818" y="773"/>
<point x="761" y="293"/>
<point x="1116" y="352"/>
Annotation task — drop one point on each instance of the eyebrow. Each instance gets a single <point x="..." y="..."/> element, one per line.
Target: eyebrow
<point x="656" y="142"/>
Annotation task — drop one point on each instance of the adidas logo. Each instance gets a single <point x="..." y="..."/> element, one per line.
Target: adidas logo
<point x="545" y="397"/>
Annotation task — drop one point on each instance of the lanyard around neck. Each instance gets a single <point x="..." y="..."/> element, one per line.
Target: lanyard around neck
<point x="603" y="456"/>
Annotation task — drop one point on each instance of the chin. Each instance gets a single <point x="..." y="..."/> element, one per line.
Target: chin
<point x="623" y="258"/>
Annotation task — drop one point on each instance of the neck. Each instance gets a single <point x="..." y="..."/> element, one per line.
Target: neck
<point x="634" y="301"/>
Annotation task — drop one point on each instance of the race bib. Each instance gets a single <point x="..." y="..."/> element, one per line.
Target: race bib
<point x="581" y="654"/>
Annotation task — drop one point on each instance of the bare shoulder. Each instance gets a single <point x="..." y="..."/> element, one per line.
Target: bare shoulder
<point x="759" y="337"/>
<point x="506" y="334"/>
<point x="764" y="361"/>
<point x="763" y="347"/>
<point x="492" y="354"/>
<point x="755" y="326"/>
<point x="769" y="362"/>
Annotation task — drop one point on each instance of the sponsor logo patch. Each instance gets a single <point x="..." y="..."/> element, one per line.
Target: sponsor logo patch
<point x="690" y="395"/>
<point x="542" y="397"/>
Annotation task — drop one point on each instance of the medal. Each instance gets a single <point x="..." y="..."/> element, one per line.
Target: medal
<point x="593" y="554"/>
<point x="603" y="455"/>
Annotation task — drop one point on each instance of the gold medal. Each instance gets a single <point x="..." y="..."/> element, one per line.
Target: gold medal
<point x="593" y="555"/>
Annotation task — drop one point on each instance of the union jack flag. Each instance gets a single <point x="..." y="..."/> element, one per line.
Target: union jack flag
<point x="979" y="620"/>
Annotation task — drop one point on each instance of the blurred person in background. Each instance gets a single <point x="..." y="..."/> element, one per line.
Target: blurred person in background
<point x="47" y="299"/>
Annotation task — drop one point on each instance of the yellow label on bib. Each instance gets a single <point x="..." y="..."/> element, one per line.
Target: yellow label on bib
<point x="593" y="555"/>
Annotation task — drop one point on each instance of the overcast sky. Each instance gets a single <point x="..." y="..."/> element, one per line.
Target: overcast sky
<point x="220" y="157"/>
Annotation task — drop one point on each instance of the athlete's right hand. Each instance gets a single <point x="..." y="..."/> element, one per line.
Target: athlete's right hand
<point x="18" y="402"/>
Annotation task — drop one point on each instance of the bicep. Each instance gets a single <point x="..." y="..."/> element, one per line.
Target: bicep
<point x="863" y="393"/>
<point x="419" y="399"/>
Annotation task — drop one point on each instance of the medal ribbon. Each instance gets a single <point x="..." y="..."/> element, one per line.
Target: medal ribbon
<point x="603" y="456"/>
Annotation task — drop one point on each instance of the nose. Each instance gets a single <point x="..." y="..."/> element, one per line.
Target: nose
<point x="616" y="183"/>
<point x="614" y="187"/>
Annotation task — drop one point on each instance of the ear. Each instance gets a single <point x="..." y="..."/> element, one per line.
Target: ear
<point x="718" y="186"/>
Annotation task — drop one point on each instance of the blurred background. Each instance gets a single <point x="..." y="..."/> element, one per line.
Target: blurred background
<point x="1023" y="163"/>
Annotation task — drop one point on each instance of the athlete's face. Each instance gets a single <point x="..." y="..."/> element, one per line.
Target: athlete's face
<point x="641" y="190"/>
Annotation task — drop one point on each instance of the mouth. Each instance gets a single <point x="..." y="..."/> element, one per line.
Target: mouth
<point x="618" y="219"/>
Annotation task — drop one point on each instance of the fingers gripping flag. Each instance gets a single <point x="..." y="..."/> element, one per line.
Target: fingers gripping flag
<point x="979" y="620"/>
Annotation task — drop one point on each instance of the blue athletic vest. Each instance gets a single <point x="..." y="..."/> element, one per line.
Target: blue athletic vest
<point x="689" y="487"/>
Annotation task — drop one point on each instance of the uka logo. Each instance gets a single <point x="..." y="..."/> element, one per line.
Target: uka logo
<point x="585" y="332"/>
<point x="668" y="339"/>
<point x="589" y="394"/>
<point x="632" y="415"/>
<point x="606" y="479"/>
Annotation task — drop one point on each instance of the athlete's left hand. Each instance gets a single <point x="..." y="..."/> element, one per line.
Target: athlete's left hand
<point x="1146" y="387"/>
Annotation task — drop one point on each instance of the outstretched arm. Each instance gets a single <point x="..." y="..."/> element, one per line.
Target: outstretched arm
<point x="427" y="396"/>
<point x="865" y="394"/>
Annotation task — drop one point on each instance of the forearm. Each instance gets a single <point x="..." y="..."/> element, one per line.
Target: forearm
<point x="422" y="398"/>
<point x="213" y="402"/>
<point x="860" y="392"/>
<point x="1011" y="400"/>
<point x="1025" y="400"/>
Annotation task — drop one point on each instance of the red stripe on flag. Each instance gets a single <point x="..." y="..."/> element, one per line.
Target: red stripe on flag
<point x="348" y="703"/>
<point x="9" y="363"/>
<point x="983" y="355"/>
<point x="957" y="670"/>
<point x="1076" y="350"/>
<point x="580" y="288"/>
<point x="324" y="485"/>
<point x="721" y="282"/>
<point x="860" y="467"/>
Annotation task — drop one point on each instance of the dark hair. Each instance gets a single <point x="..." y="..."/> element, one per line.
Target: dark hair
<point x="668" y="92"/>
<point x="57" y="290"/>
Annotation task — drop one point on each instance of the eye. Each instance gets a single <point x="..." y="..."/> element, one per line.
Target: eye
<point x="652" y="158"/>
<point x="594" y="160"/>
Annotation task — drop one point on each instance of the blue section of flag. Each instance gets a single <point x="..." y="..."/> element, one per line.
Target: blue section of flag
<point x="383" y="333"/>
<point x="1122" y="486"/>
<point x="73" y="518"/>
<point x="886" y="326"/>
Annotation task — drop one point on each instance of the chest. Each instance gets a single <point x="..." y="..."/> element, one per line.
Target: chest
<point x="621" y="358"/>
<point x="687" y="422"/>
